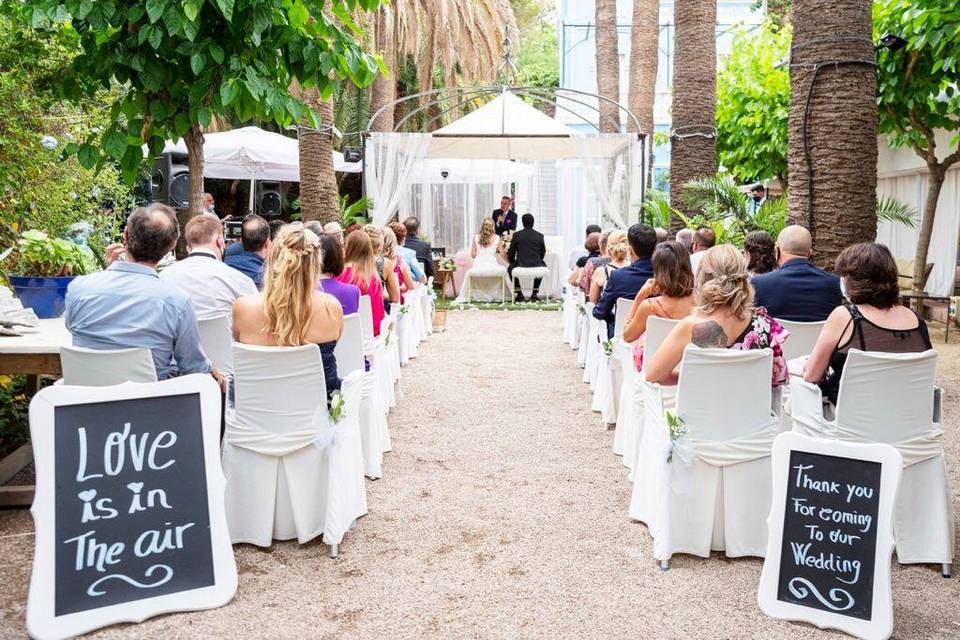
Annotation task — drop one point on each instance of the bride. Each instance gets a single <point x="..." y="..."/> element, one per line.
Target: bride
<point x="483" y="250"/>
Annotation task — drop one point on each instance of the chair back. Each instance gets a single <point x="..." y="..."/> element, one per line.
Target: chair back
<point x="217" y="342"/>
<point x="656" y="332"/>
<point x="724" y="394"/>
<point x="887" y="397"/>
<point x="622" y="314"/>
<point x="349" y="349"/>
<point x="365" y="310"/>
<point x="803" y="337"/>
<point x="278" y="389"/>
<point x="103" y="368"/>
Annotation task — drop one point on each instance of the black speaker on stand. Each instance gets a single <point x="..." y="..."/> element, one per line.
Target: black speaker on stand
<point x="269" y="199"/>
<point x="170" y="185"/>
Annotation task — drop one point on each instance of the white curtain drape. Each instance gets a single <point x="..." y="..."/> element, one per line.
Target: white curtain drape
<point x="391" y="160"/>
<point x="615" y="178"/>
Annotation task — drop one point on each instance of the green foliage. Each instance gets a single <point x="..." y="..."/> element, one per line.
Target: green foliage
<point x="41" y="255"/>
<point x="753" y="104"/>
<point x="181" y="62"/>
<point x="536" y="59"/>
<point x="917" y="86"/>
<point x="351" y="113"/>
<point x="14" y="424"/>
<point x="351" y="213"/>
<point x="893" y="210"/>
<point x="656" y="210"/>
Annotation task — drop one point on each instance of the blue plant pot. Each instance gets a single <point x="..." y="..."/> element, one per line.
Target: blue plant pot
<point x="45" y="296"/>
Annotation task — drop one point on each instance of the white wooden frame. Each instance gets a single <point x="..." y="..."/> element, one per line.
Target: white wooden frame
<point x="881" y="624"/>
<point x="42" y="623"/>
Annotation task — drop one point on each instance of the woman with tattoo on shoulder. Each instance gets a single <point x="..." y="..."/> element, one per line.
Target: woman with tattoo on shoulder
<point x="723" y="317"/>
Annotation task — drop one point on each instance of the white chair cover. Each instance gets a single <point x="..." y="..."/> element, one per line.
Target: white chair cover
<point x="290" y="472"/>
<point x="103" y="367"/>
<point x="888" y="397"/>
<point x="596" y="333"/>
<point x="624" y="305"/>
<point x="365" y="311"/>
<point x="526" y="275"/>
<point x="349" y="349"/>
<point x="715" y="494"/>
<point x="803" y="337"/>
<point x="570" y="317"/>
<point x="216" y="340"/>
<point x="583" y="332"/>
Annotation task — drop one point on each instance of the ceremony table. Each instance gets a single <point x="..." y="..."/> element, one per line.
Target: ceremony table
<point x="549" y="289"/>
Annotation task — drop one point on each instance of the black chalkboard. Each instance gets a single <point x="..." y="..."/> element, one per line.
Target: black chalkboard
<point x="131" y="510"/>
<point x="830" y="534"/>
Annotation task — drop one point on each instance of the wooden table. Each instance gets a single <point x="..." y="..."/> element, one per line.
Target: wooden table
<point x="33" y="354"/>
<point x="922" y="296"/>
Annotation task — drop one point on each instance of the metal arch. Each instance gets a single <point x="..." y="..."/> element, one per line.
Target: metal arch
<point x="473" y="96"/>
<point x="464" y="98"/>
<point x="416" y="96"/>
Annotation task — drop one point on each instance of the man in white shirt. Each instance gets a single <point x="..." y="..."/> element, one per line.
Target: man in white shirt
<point x="704" y="238"/>
<point x="211" y="285"/>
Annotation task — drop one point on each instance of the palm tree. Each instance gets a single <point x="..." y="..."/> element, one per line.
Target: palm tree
<point x="384" y="89"/>
<point x="319" y="197"/>
<point x="832" y="152"/>
<point x="693" y="151"/>
<point x="644" y="57"/>
<point x="608" y="65"/>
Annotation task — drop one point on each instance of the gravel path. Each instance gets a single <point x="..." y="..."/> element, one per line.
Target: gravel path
<point x="501" y="514"/>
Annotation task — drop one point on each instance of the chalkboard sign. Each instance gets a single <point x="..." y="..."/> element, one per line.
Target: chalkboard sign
<point x="831" y="534"/>
<point x="129" y="509"/>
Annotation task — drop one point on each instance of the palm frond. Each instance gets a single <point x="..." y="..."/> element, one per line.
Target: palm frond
<point x="717" y="195"/>
<point x="771" y="217"/>
<point x="657" y="211"/>
<point x="893" y="210"/>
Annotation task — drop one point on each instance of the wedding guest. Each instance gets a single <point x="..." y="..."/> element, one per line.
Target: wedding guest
<point x="334" y="229"/>
<point x="527" y="249"/>
<point x="586" y="273"/>
<point x="798" y="290"/>
<point x="360" y="269"/>
<point x="129" y="306"/>
<point x="331" y="266"/>
<point x="669" y="294"/>
<point x="626" y="282"/>
<point x="421" y="247"/>
<point x="207" y="205"/>
<point x="212" y="285"/>
<point x="872" y="320"/>
<point x="399" y="268"/>
<point x="580" y="252"/>
<point x="289" y="312"/>
<point x="251" y="252"/>
<point x="685" y="238"/>
<point x="592" y="247"/>
<point x="384" y="267"/>
<point x="409" y="256"/>
<point x="504" y="218"/>
<point x="315" y="227"/>
<point x="759" y="251"/>
<point x="704" y="238"/>
<point x="662" y="234"/>
<point x="723" y="317"/>
<point x="617" y="255"/>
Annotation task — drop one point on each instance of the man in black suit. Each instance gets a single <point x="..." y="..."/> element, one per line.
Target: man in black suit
<point x="504" y="218"/>
<point x="422" y="248"/>
<point x="798" y="290"/>
<point x="527" y="249"/>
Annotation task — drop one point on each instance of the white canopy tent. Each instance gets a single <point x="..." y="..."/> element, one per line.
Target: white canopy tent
<point x="562" y="176"/>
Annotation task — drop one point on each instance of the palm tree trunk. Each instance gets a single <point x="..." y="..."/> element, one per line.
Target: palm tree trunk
<point x="833" y="168"/>
<point x="608" y="65"/>
<point x="319" y="198"/>
<point x="693" y="152"/>
<point x="193" y="140"/>
<point x="644" y="57"/>
<point x="384" y="87"/>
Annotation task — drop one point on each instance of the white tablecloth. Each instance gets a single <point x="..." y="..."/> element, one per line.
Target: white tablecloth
<point x="46" y="338"/>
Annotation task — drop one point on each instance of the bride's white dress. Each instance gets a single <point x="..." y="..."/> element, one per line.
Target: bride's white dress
<point x="481" y="282"/>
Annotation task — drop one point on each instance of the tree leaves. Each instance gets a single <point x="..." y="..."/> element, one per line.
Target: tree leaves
<point x="155" y="9"/>
<point x="226" y="8"/>
<point x="115" y="143"/>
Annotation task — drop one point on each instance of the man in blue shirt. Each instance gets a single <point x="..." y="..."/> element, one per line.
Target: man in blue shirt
<point x="248" y="255"/>
<point x="627" y="281"/>
<point x="129" y="306"/>
<point x="798" y="290"/>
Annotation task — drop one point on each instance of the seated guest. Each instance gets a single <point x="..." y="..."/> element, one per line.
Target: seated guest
<point x="314" y="226"/>
<point x="626" y="282"/>
<point x="331" y="266"/>
<point x="662" y="234"/>
<point x="360" y="269"/>
<point x="289" y="312"/>
<point x="685" y="238"/>
<point x="760" y="254"/>
<point x="400" y="271"/>
<point x="254" y="244"/>
<point x="420" y="247"/>
<point x="592" y="247"/>
<point x="703" y="239"/>
<point x="211" y="284"/>
<point x="873" y="320"/>
<point x="798" y="290"/>
<point x="580" y="252"/>
<point x="384" y="267"/>
<point x="591" y="265"/>
<point x="617" y="253"/>
<point x="409" y="256"/>
<point x="723" y="317"/>
<point x="527" y="250"/>
<point x="334" y="229"/>
<point x="669" y="294"/>
<point x="129" y="306"/>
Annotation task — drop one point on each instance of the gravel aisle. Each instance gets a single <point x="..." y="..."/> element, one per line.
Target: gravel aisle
<point x="502" y="513"/>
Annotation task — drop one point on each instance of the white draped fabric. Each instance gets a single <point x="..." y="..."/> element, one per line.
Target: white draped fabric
<point x="612" y="165"/>
<point x="391" y="160"/>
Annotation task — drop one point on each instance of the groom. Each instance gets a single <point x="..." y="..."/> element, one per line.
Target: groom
<point x="504" y="218"/>
<point x="527" y="249"/>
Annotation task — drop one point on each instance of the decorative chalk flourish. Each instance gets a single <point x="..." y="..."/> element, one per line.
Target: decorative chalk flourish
<point x="805" y="588"/>
<point x="93" y="591"/>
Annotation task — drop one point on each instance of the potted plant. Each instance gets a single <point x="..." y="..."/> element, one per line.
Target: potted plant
<point x="44" y="268"/>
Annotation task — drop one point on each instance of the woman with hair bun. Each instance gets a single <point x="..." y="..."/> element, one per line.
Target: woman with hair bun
<point x="289" y="312"/>
<point x="723" y="317"/>
<point x="758" y="247"/>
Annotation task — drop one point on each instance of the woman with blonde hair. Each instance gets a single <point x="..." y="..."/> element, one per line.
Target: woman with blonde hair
<point x="400" y="269"/>
<point x="618" y="254"/>
<point x="384" y="267"/>
<point x="723" y="317"/>
<point x="289" y="312"/>
<point x="360" y="269"/>
<point x="483" y="250"/>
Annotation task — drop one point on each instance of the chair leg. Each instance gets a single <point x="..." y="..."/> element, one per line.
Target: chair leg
<point x="664" y="565"/>
<point x="334" y="551"/>
<point x="947" y="569"/>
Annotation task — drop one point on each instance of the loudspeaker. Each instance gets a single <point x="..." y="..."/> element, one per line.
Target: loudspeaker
<point x="269" y="201"/>
<point x="170" y="180"/>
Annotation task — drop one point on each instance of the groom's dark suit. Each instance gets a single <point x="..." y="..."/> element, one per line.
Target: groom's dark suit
<point x="527" y="249"/>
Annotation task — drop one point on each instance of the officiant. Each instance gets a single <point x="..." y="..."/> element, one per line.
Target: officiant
<point x="504" y="218"/>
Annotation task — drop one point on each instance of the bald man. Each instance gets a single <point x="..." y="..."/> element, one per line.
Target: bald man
<point x="797" y="290"/>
